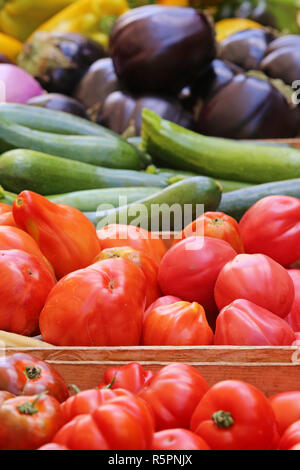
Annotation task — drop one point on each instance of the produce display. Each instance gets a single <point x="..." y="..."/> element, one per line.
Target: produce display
<point x="149" y="199"/>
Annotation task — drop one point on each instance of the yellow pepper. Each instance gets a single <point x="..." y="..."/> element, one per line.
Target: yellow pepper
<point x="19" y="18"/>
<point x="10" y="47"/>
<point x="91" y="18"/>
<point x="229" y="26"/>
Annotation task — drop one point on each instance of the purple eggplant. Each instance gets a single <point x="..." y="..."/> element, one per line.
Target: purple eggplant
<point x="122" y="111"/>
<point x="59" y="102"/>
<point x="59" y="60"/>
<point x="161" y="49"/>
<point x="248" y="108"/>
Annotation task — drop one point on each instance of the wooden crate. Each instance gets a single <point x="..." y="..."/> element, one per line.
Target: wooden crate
<point x="272" y="369"/>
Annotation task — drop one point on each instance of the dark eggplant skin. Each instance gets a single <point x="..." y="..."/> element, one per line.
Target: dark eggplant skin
<point x="290" y="40"/>
<point x="246" y="48"/>
<point x="282" y="59"/>
<point x="121" y="111"/>
<point x="59" y="60"/>
<point x="161" y="49"/>
<point x="248" y="108"/>
<point x="59" y="102"/>
<point x="99" y="81"/>
<point x="4" y="59"/>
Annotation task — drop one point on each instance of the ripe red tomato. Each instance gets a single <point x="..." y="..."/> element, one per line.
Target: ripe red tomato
<point x="5" y="208"/>
<point x="25" y="284"/>
<point x="173" y="394"/>
<point x="245" y="323"/>
<point x="124" y="423"/>
<point x="23" y="374"/>
<point x="286" y="407"/>
<point x="107" y="310"/>
<point x="216" y="225"/>
<point x="64" y="234"/>
<point x="178" y="324"/>
<point x="5" y="396"/>
<point x="166" y="300"/>
<point x="132" y="377"/>
<point x="189" y="270"/>
<point x="128" y="235"/>
<point x="178" y="439"/>
<point x="7" y="219"/>
<point x="52" y="446"/>
<point x="26" y="423"/>
<point x="272" y="227"/>
<point x="290" y="437"/>
<point x="235" y="415"/>
<point x="294" y="316"/>
<point x="143" y="261"/>
<point x="259" y="279"/>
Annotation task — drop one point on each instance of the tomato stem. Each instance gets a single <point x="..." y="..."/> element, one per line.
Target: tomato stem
<point x="75" y="388"/>
<point x="29" y="408"/>
<point x="110" y="385"/>
<point x="223" y="419"/>
<point x="32" y="372"/>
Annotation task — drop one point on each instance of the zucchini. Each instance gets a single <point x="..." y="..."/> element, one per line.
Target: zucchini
<point x="236" y="203"/>
<point x="149" y="212"/>
<point x="216" y="157"/>
<point x="102" y="151"/>
<point x="46" y="174"/>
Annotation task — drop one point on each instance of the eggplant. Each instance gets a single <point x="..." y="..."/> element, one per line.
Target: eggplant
<point x="59" y="102"/>
<point x="246" y="48"/>
<point x="248" y="108"/>
<point x="59" y="60"/>
<point x="4" y="59"/>
<point x="122" y="111"/>
<point x="99" y="81"/>
<point x="161" y="49"/>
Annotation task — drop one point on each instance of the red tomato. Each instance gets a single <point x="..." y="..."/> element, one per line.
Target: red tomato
<point x="243" y="323"/>
<point x="7" y="219"/>
<point x="127" y="235"/>
<point x="88" y="401"/>
<point x="290" y="437"/>
<point x="64" y="234"/>
<point x="143" y="261"/>
<point x="23" y="374"/>
<point x="295" y="447"/>
<point x="294" y="316"/>
<point x="190" y="269"/>
<point x="173" y="394"/>
<point x="124" y="423"/>
<point x="286" y="407"/>
<point x="27" y="423"/>
<point x="178" y="439"/>
<point x="25" y="285"/>
<point x="216" y="225"/>
<point x="178" y="324"/>
<point x="5" y="208"/>
<point x="131" y="377"/>
<point x="166" y="300"/>
<point x="5" y="396"/>
<point x="272" y="227"/>
<point x="107" y="310"/>
<point x="53" y="446"/>
<point x="259" y="279"/>
<point x="235" y="415"/>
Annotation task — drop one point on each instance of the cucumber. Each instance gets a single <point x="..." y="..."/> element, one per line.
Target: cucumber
<point x="236" y="203"/>
<point x="6" y="197"/>
<point x="149" y="212"/>
<point x="88" y="201"/>
<point x="46" y="174"/>
<point x="216" y="157"/>
<point x="102" y="151"/>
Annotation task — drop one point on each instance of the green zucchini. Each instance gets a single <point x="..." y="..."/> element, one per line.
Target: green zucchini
<point x="236" y="203"/>
<point x="102" y="151"/>
<point x="216" y="157"/>
<point x="6" y="197"/>
<point x="169" y="209"/>
<point x="46" y="174"/>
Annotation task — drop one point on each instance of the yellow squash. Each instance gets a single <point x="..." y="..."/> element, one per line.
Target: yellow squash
<point x="229" y="26"/>
<point x="10" y="47"/>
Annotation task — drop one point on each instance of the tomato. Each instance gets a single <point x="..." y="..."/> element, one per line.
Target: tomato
<point x="243" y="323"/>
<point x="178" y="439"/>
<point x="5" y="396"/>
<point x="165" y="300"/>
<point x="52" y="446"/>
<point x="107" y="309"/>
<point x="286" y="407"/>
<point x="216" y="225"/>
<point x="5" y="208"/>
<point x="295" y="447"/>
<point x="7" y="219"/>
<point x="88" y="401"/>
<point x="64" y="234"/>
<point x="189" y="270"/>
<point x="143" y="261"/>
<point x="23" y="374"/>
<point x="290" y="437"/>
<point x="178" y="324"/>
<point x="234" y="415"/>
<point x="131" y="377"/>
<point x="27" y="423"/>
<point x="124" y="423"/>
<point x="173" y="394"/>
<point x="294" y="316"/>
<point x="128" y="235"/>
<point x="272" y="227"/>
<point x="25" y="285"/>
<point x="259" y="279"/>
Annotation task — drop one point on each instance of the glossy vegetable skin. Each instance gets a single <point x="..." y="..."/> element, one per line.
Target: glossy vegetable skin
<point x="131" y="377"/>
<point x="178" y="439"/>
<point x="291" y="437"/>
<point x="58" y="102"/>
<point x="165" y="300"/>
<point x="294" y="314"/>
<point x="286" y="406"/>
